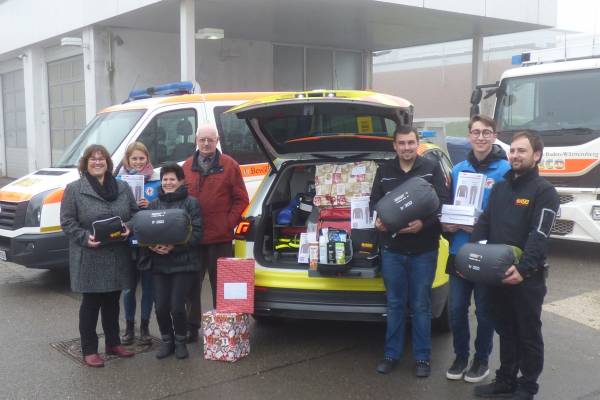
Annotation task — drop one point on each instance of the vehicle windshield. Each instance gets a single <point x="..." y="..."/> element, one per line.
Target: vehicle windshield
<point x="551" y="104"/>
<point x="107" y="129"/>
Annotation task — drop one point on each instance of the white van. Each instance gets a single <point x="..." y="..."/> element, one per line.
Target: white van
<point x="162" y="118"/>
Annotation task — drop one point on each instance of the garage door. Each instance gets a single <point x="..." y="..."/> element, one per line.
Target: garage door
<point x="67" y="103"/>
<point x="15" y="133"/>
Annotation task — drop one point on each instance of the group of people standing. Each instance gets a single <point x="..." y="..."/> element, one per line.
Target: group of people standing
<point x="519" y="208"/>
<point x="209" y="187"/>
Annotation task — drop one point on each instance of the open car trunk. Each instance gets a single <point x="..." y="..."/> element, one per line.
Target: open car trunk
<point x="277" y="241"/>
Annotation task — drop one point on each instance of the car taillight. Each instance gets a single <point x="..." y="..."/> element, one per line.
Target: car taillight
<point x="243" y="229"/>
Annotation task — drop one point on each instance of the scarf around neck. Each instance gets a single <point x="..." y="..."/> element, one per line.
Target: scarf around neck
<point x="107" y="190"/>
<point x="147" y="171"/>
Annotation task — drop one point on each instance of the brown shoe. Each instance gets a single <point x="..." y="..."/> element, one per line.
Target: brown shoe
<point x="119" y="351"/>
<point x="94" y="360"/>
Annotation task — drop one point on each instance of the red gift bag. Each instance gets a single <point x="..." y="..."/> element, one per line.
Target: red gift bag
<point x="235" y="285"/>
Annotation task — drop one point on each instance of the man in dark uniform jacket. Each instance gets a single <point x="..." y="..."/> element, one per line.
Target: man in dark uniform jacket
<point x="520" y="212"/>
<point x="408" y="257"/>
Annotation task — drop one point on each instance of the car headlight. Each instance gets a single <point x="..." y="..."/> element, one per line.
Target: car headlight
<point x="34" y="208"/>
<point x="596" y="213"/>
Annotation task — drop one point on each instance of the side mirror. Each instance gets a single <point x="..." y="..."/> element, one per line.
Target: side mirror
<point x="476" y="96"/>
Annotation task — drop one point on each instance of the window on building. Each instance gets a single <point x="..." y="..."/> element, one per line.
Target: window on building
<point x="170" y="136"/>
<point x="308" y="68"/>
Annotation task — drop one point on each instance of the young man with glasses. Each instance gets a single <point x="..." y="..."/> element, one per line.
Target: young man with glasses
<point x="489" y="159"/>
<point x="216" y="181"/>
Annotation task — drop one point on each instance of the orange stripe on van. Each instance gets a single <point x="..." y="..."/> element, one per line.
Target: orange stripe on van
<point x="14" y="197"/>
<point x="55" y="197"/>
<point x="571" y="166"/>
<point x="251" y="170"/>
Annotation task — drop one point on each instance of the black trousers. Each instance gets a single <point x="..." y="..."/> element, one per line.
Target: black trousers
<point x="171" y="292"/>
<point x="107" y="304"/>
<point x="517" y="313"/>
<point x="209" y="253"/>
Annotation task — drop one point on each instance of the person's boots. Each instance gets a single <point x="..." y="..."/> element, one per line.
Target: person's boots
<point x="145" y="337"/>
<point x="129" y="336"/>
<point x="166" y="348"/>
<point x="181" y="350"/>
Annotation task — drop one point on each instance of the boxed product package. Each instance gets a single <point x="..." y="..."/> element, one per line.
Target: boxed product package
<point x="226" y="335"/>
<point x="235" y="285"/>
<point x="486" y="263"/>
<point x="461" y="215"/>
<point x="336" y="184"/>
<point x="469" y="189"/>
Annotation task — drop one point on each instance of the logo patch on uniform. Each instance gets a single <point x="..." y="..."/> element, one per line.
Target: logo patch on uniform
<point x="149" y="191"/>
<point x="489" y="182"/>
<point x="522" y="202"/>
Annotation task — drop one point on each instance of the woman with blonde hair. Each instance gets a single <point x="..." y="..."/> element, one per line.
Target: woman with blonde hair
<point x="137" y="162"/>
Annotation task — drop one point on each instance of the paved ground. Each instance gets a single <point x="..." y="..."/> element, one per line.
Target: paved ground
<point x="294" y="360"/>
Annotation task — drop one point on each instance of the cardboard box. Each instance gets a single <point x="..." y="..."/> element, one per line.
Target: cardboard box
<point x="336" y="184"/>
<point x="458" y="219"/>
<point x="226" y="335"/>
<point x="235" y="285"/>
<point x="469" y="189"/>
<point x="467" y="211"/>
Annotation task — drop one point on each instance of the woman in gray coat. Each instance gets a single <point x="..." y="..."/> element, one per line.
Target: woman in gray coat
<point x="99" y="271"/>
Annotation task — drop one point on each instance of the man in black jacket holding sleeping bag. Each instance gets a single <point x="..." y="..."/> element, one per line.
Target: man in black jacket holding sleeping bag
<point x="520" y="212"/>
<point x="409" y="256"/>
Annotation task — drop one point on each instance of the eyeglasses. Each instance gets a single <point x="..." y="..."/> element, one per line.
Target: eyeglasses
<point x="97" y="160"/>
<point x="486" y="133"/>
<point x="206" y="140"/>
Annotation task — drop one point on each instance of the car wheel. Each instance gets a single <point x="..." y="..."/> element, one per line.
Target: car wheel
<point x="442" y="323"/>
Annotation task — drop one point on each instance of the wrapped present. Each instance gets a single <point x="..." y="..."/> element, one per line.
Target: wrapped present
<point x="235" y="285"/>
<point x="336" y="184"/>
<point x="226" y="335"/>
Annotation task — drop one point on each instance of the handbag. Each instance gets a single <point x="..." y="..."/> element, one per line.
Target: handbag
<point x="108" y="230"/>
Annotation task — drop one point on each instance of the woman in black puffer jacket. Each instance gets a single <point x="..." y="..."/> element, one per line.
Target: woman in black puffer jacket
<point x="174" y="267"/>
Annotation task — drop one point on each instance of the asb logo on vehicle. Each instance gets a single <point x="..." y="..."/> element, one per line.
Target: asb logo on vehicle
<point x="522" y="202"/>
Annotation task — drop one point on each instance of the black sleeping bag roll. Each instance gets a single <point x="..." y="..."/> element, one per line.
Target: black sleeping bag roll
<point x="486" y="263"/>
<point x="172" y="226"/>
<point x="412" y="200"/>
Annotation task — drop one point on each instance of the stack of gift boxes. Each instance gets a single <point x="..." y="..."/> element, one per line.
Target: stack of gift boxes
<point x="227" y="329"/>
<point x="468" y="199"/>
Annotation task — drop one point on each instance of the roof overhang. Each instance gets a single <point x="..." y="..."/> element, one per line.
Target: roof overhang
<point x="351" y="24"/>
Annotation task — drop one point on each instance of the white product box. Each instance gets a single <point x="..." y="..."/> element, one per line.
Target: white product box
<point x="469" y="189"/>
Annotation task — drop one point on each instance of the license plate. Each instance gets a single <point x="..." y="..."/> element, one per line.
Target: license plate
<point x="2" y="255"/>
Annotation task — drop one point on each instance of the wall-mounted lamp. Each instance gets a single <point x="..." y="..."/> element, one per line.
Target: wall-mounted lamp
<point x="210" y="33"/>
<point x="72" y="41"/>
<point x="22" y="56"/>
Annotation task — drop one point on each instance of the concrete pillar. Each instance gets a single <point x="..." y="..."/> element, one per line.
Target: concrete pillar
<point x="187" y="30"/>
<point x="477" y="62"/>
<point x="89" y="72"/>
<point x="36" y="106"/>
<point x="97" y="70"/>
<point x="367" y="70"/>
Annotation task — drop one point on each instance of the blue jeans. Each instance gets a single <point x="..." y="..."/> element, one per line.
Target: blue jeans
<point x="408" y="280"/>
<point x="458" y="308"/>
<point x="129" y="303"/>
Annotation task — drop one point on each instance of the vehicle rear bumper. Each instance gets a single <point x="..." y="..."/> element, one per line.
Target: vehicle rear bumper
<point x="42" y="251"/>
<point x="332" y="305"/>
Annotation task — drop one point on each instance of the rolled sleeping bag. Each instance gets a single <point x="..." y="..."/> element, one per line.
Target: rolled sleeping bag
<point x="486" y="263"/>
<point x="412" y="200"/>
<point x="151" y="227"/>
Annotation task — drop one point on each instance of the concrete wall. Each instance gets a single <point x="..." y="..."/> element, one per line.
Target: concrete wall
<point x="437" y="92"/>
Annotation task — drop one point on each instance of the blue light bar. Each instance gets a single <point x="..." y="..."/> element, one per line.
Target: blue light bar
<point x="168" y="89"/>
<point x="516" y="60"/>
<point x="428" y="134"/>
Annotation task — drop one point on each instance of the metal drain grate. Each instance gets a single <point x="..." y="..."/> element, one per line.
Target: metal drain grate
<point x="72" y="348"/>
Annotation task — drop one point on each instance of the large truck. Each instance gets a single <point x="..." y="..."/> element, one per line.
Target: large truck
<point x="164" y="118"/>
<point x="559" y="99"/>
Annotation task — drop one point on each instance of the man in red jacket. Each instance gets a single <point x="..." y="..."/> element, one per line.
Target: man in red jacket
<point x="216" y="181"/>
